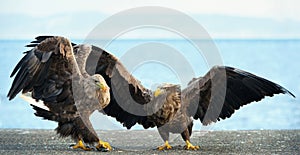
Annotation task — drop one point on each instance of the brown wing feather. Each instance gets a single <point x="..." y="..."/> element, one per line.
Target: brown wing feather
<point x="125" y="90"/>
<point x="46" y="71"/>
<point x="223" y="90"/>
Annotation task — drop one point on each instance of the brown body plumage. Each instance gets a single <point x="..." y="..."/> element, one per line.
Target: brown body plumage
<point x="51" y="73"/>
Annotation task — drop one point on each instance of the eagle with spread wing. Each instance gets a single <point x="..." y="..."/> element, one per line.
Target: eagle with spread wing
<point x="210" y="98"/>
<point x="54" y="71"/>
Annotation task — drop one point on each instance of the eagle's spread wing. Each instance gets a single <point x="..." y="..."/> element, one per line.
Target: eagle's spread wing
<point x="46" y="71"/>
<point x="223" y="90"/>
<point x="127" y="94"/>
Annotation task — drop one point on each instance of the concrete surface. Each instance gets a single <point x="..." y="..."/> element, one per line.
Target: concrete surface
<point x="13" y="141"/>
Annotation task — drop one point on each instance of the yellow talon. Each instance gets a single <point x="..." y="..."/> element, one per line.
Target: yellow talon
<point x="80" y="145"/>
<point x="190" y="146"/>
<point x="166" y="146"/>
<point x="103" y="144"/>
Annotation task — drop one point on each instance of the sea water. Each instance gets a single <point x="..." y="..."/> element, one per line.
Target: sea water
<point x="176" y="61"/>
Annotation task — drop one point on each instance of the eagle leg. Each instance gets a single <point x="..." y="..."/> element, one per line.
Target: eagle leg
<point x="166" y="146"/>
<point x="186" y="137"/>
<point x="165" y="136"/>
<point x="80" y="145"/>
<point x="103" y="146"/>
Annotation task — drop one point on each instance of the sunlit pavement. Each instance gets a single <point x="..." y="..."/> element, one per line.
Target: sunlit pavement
<point x="13" y="141"/>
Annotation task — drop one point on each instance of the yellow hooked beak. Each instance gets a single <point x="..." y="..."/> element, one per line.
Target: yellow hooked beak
<point x="101" y="86"/>
<point x="157" y="92"/>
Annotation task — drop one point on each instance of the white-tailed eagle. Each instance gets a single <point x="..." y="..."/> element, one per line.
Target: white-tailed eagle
<point x="210" y="98"/>
<point x="54" y="71"/>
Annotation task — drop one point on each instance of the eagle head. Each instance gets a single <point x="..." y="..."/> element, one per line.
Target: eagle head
<point x="166" y="87"/>
<point x="102" y="89"/>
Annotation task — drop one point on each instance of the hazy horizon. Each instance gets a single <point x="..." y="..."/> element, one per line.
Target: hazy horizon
<point x="76" y="19"/>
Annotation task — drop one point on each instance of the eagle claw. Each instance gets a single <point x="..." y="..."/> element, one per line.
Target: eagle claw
<point x="103" y="146"/>
<point x="166" y="146"/>
<point x="80" y="145"/>
<point x="190" y="146"/>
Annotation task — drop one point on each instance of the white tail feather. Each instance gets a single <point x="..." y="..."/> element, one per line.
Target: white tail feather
<point x="27" y="97"/>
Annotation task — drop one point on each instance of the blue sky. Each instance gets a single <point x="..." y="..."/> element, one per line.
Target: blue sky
<point x="222" y="19"/>
<point x="258" y="19"/>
